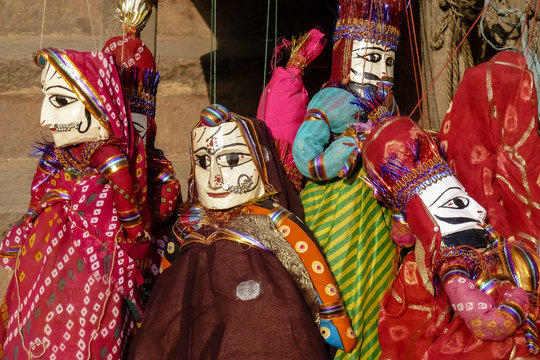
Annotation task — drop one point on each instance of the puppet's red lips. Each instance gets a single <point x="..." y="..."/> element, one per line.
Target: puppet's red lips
<point x="218" y="195"/>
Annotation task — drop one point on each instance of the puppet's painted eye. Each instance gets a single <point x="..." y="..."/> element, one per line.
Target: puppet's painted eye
<point x="203" y="161"/>
<point x="232" y="159"/>
<point x="373" y="57"/>
<point x="459" y="202"/>
<point x="59" y="101"/>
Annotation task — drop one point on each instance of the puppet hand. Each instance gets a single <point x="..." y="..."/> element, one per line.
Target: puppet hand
<point x="478" y="310"/>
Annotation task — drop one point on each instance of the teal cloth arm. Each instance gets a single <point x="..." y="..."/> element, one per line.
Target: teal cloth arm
<point x="313" y="160"/>
<point x="332" y="110"/>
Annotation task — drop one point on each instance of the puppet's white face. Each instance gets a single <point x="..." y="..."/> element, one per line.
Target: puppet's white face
<point x="225" y="172"/>
<point x="64" y="114"/>
<point x="372" y="63"/>
<point x="453" y="209"/>
<point x="140" y="122"/>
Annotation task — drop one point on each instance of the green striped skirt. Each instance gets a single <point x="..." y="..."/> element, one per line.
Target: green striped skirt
<point x="354" y="232"/>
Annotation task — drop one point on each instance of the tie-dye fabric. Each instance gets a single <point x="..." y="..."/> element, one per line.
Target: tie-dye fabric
<point x="77" y="270"/>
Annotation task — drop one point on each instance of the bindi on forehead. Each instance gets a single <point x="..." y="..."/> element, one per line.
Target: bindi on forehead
<point x="214" y="138"/>
<point x="211" y="140"/>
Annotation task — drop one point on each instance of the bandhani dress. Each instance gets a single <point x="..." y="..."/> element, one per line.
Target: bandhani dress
<point x="79" y="252"/>
<point x="351" y="227"/>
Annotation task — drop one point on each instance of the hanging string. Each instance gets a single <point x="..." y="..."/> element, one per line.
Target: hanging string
<point x="275" y="31"/>
<point x="213" y="51"/>
<point x="42" y="24"/>
<point x="107" y="298"/>
<point x="91" y="25"/>
<point x="450" y="58"/>
<point x="414" y="59"/>
<point x="266" y="42"/>
<point x="365" y="55"/>
<point x="417" y="53"/>
<point x="38" y="344"/>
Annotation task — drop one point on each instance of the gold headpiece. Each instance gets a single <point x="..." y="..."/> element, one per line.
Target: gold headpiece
<point x="134" y="13"/>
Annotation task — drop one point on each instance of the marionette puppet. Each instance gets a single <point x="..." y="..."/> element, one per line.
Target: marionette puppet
<point x="490" y="136"/>
<point x="140" y="80"/>
<point x="247" y="280"/>
<point x="460" y="291"/>
<point x="284" y="101"/>
<point x="349" y="224"/>
<point x="78" y="254"/>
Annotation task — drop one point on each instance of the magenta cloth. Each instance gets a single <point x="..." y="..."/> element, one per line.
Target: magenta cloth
<point x="283" y="104"/>
<point x="284" y="101"/>
<point x="74" y="293"/>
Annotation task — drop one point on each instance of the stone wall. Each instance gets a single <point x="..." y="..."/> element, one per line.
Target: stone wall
<point x="181" y="40"/>
<point x="178" y="35"/>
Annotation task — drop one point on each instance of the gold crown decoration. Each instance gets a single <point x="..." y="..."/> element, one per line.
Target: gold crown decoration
<point x="134" y="14"/>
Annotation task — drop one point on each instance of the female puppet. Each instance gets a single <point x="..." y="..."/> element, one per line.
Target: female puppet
<point x="140" y="80"/>
<point x="248" y="281"/>
<point x="456" y="294"/>
<point x="79" y="252"/>
<point x="352" y="228"/>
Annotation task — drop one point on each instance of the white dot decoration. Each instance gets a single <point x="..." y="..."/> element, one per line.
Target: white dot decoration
<point x="284" y="230"/>
<point x="325" y="332"/>
<point x="330" y="289"/>
<point x="301" y="247"/>
<point x="318" y="267"/>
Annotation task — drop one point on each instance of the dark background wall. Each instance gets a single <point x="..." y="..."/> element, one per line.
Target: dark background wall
<point x="241" y="33"/>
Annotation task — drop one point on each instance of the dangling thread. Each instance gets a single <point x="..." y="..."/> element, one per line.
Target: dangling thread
<point x="91" y="25"/>
<point x="213" y="51"/>
<point x="107" y="298"/>
<point x="266" y="42"/>
<point x="42" y="24"/>
<point x="416" y="59"/>
<point x="275" y="30"/>
<point x="38" y="342"/>
<point x="449" y="60"/>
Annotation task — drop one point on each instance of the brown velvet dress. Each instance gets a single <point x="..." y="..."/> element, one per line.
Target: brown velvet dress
<point x="227" y="300"/>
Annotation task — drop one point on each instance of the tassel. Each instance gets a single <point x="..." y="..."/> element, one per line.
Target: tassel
<point x="401" y="232"/>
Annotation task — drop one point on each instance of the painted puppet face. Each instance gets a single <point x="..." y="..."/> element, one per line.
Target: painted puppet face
<point x="64" y="114"/>
<point x="225" y="172"/>
<point x="453" y="209"/>
<point x="372" y="64"/>
<point x="140" y="123"/>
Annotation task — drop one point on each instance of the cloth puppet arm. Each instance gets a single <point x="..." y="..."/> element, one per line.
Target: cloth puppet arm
<point x="163" y="189"/>
<point x="493" y="316"/>
<point x="335" y="325"/>
<point x="332" y="111"/>
<point x="111" y="162"/>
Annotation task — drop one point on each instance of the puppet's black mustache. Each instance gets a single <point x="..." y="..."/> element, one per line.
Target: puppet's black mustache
<point x="475" y="238"/>
<point x="367" y="75"/>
